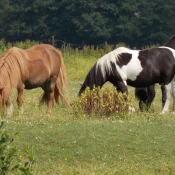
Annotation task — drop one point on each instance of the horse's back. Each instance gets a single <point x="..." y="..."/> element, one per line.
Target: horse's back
<point x="36" y="52"/>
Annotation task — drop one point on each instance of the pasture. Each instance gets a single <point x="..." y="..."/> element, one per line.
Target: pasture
<point x="138" y="143"/>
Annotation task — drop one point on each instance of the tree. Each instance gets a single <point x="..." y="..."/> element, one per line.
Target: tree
<point x="24" y="19"/>
<point x="89" y="20"/>
<point x="156" y="21"/>
<point x="136" y="23"/>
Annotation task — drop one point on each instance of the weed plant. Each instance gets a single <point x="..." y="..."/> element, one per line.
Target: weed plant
<point x="106" y="102"/>
<point x="21" y="44"/>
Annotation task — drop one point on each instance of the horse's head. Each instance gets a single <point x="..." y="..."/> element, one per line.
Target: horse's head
<point x="82" y="88"/>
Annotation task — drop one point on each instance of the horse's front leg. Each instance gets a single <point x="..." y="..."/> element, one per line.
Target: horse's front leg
<point x="20" y="90"/>
<point x="50" y="100"/>
<point x="9" y="107"/>
<point x="122" y="87"/>
<point x="168" y="98"/>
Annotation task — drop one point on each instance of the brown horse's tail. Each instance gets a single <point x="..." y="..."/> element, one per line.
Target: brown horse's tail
<point x="61" y="83"/>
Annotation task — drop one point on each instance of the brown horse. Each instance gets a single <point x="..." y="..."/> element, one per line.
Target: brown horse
<point x="38" y="66"/>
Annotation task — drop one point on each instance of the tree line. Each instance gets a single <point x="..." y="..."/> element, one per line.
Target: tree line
<point x="133" y="22"/>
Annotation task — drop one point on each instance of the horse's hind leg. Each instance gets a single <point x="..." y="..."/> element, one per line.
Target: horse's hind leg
<point x="20" y="90"/>
<point x="50" y="91"/>
<point x="151" y="95"/>
<point x="168" y="98"/>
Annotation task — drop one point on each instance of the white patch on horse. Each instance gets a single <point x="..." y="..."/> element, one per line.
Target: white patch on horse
<point x="129" y="71"/>
<point x="133" y="68"/>
<point x="104" y="63"/>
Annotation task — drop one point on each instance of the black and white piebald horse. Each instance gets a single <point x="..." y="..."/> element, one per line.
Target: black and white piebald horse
<point x="146" y="94"/>
<point x="136" y="68"/>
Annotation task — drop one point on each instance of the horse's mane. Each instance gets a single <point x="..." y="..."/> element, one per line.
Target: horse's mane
<point x="105" y="62"/>
<point x="95" y="76"/>
<point x="11" y="66"/>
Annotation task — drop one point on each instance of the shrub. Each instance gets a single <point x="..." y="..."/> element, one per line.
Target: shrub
<point x="103" y="103"/>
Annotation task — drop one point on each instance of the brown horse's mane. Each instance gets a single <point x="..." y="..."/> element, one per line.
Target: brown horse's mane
<point x="11" y="66"/>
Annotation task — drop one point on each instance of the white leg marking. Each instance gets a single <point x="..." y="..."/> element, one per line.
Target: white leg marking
<point x="131" y="110"/>
<point x="10" y="109"/>
<point x="168" y="99"/>
<point x="21" y="110"/>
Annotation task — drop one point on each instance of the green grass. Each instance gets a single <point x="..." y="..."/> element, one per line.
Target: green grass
<point x="65" y="144"/>
<point x="95" y="146"/>
<point x="143" y="143"/>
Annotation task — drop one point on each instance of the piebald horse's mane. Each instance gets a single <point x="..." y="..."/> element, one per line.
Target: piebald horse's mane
<point x="104" y="63"/>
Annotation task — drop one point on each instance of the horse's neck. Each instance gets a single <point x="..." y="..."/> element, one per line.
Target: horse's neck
<point x="171" y="44"/>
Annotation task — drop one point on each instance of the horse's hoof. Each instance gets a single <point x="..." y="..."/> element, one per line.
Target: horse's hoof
<point x="163" y="112"/>
<point x="131" y="109"/>
<point x="48" y="115"/>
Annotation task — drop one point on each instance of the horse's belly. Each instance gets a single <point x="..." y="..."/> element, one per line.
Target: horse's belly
<point x="31" y="84"/>
<point x="37" y="80"/>
<point x="142" y="82"/>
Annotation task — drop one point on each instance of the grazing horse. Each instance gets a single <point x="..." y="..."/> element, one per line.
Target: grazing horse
<point x="38" y="66"/>
<point x="136" y="68"/>
<point x="146" y="95"/>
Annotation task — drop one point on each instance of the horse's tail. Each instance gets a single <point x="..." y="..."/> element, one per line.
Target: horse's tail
<point x="61" y="83"/>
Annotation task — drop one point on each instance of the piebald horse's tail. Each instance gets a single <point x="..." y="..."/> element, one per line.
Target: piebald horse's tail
<point x="61" y="83"/>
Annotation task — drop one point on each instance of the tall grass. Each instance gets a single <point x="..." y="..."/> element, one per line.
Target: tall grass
<point x="21" y="44"/>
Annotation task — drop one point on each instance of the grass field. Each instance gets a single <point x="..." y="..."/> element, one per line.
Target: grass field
<point x="65" y="144"/>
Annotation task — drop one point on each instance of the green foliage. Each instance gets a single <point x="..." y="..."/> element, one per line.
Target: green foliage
<point x="2" y="46"/>
<point x="136" y="23"/>
<point x="25" y="44"/>
<point x="9" y="161"/>
<point x="152" y="46"/>
<point x="120" y="44"/>
<point x="105" y="103"/>
<point x="22" y="44"/>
